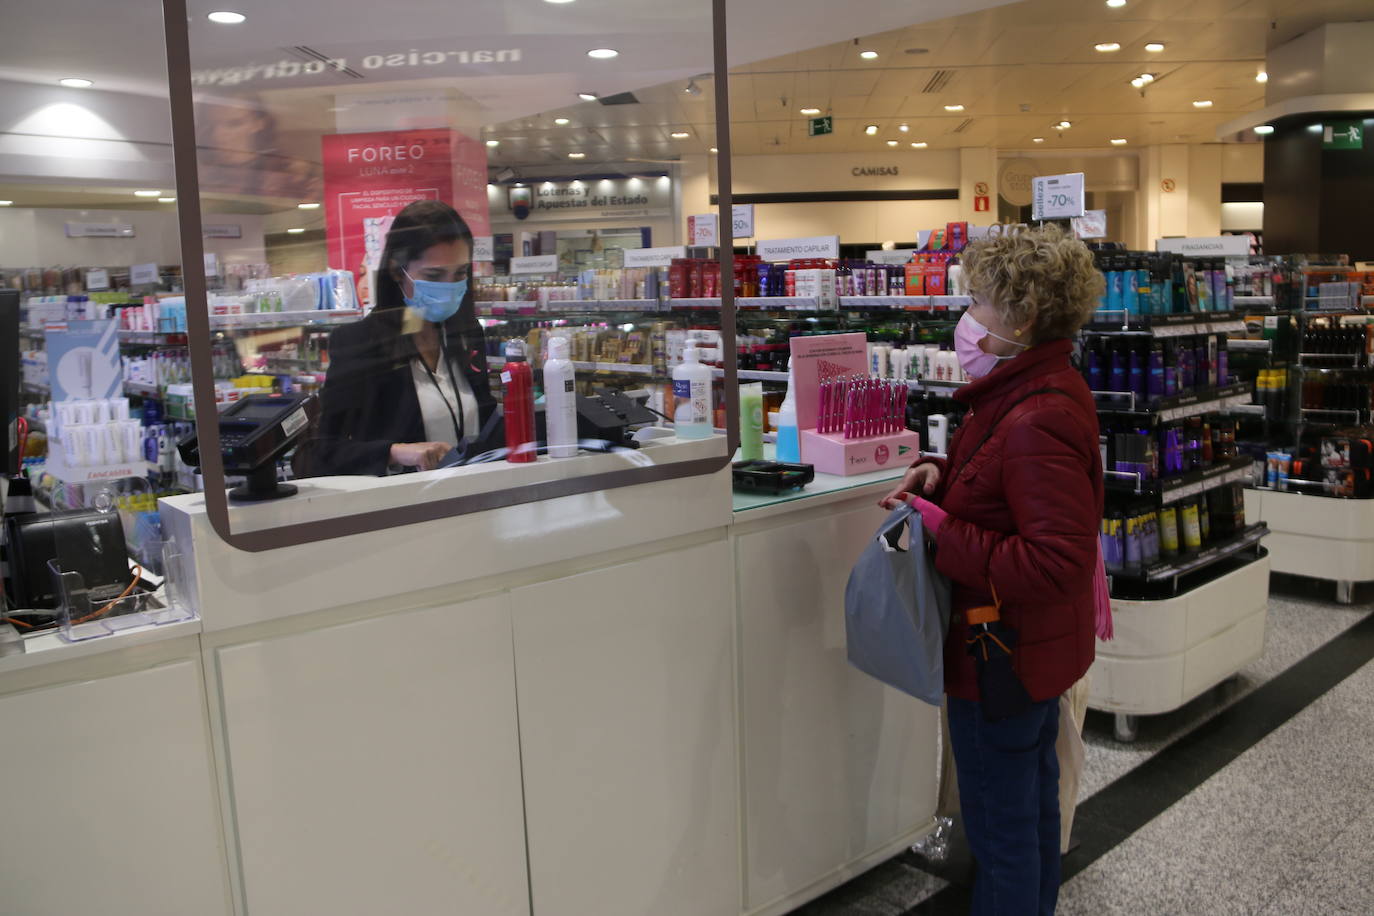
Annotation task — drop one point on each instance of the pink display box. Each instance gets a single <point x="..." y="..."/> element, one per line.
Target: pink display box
<point x="832" y="453"/>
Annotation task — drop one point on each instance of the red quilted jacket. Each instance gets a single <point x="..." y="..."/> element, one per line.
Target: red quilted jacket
<point x="1024" y="513"/>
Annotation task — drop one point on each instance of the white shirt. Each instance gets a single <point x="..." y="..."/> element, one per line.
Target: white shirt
<point x="436" y="401"/>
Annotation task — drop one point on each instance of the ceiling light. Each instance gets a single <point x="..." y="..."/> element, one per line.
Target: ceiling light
<point x="892" y="143"/>
<point x="166" y="200"/>
<point x="294" y="231"/>
<point x="1262" y="77"/>
<point x="1106" y="46"/>
<point x="1264" y="129"/>
<point x="1119" y="141"/>
<point x="904" y="127"/>
<point x="558" y="1"/>
<point x="692" y="88"/>
<point x="6" y="203"/>
<point x="1037" y="139"/>
<point x="954" y="108"/>
<point x="224" y="17"/>
<point x="679" y="135"/>
<point x="308" y="206"/>
<point x="1147" y="77"/>
<point x="588" y="96"/>
<point x="713" y="150"/>
<point x="493" y="143"/>
<point x="1116" y="4"/>
<point x="603" y="53"/>
<point x="74" y="82"/>
<point x="869" y="55"/>
<point x="871" y="129"/>
<point x="919" y="144"/>
<point x="1138" y="83"/>
<point x="147" y="193"/>
<point x="560" y="121"/>
<point x="577" y="155"/>
<point x="1202" y="103"/>
<point x="1154" y="47"/>
<point x="1064" y="125"/>
<point x="810" y="111"/>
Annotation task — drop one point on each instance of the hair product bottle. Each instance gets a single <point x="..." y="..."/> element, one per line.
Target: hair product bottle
<point x="560" y="400"/>
<point x="519" y="405"/>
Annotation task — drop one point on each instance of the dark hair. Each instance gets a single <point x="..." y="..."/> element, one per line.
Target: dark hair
<point x="419" y="227"/>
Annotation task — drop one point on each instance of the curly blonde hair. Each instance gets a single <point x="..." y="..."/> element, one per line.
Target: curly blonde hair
<point x="1045" y="276"/>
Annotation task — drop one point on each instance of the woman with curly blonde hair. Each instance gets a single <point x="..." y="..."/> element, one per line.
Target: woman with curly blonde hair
<point x="1014" y="513"/>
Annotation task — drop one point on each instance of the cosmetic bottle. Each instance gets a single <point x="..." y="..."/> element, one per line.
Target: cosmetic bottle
<point x="560" y="400"/>
<point x="751" y="421"/>
<point x="1130" y="297"/>
<point x="1143" y="288"/>
<point x="518" y="405"/>
<point x="1114" y="278"/>
<point x="1136" y="372"/>
<point x="1092" y="363"/>
<point x="692" y="395"/>
<point x="937" y="434"/>
<point x="1120" y="367"/>
<point x="788" y="447"/>
<point x="1155" y="371"/>
<point x="1168" y="532"/>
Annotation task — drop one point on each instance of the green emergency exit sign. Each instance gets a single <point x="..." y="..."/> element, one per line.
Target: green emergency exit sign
<point x="1343" y="135"/>
<point x="818" y="127"/>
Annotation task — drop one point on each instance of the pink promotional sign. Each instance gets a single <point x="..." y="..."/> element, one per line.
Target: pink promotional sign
<point x="370" y="177"/>
<point x="815" y="359"/>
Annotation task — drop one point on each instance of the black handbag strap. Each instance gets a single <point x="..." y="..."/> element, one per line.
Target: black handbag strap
<point x="1015" y="404"/>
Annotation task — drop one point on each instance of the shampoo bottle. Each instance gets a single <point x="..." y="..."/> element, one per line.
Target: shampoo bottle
<point x="692" y="395"/>
<point x="751" y="421"/>
<point x="560" y="400"/>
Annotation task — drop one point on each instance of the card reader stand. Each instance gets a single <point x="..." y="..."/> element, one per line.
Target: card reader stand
<point x="254" y="433"/>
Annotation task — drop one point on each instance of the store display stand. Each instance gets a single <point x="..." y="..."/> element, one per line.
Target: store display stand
<point x="1318" y="537"/>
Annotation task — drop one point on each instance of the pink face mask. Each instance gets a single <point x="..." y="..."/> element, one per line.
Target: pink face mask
<point x="967" y="335"/>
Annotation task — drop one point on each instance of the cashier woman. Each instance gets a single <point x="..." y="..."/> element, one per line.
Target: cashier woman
<point x="408" y="384"/>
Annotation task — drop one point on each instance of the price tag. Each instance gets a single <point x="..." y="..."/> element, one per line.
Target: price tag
<point x="703" y="230"/>
<point x="1057" y="196"/>
<point x="483" y="249"/>
<point x="1091" y="225"/>
<point x="97" y="278"/>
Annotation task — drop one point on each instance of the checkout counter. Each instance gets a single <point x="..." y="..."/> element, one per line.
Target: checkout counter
<point x="618" y="703"/>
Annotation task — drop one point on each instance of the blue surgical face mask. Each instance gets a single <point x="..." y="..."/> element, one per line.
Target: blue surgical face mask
<point x="436" y="301"/>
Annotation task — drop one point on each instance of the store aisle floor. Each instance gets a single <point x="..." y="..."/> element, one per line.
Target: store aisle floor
<point x="1246" y="801"/>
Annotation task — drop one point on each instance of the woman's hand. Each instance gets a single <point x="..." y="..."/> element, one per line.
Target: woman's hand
<point x="422" y="455"/>
<point x="920" y="480"/>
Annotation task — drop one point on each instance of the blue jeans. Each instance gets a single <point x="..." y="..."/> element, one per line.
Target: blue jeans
<point x="1009" y="795"/>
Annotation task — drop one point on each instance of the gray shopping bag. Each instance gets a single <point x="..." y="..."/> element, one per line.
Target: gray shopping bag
<point x="896" y="611"/>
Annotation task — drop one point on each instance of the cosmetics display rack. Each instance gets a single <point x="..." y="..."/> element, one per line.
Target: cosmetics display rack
<point x="571" y="307"/>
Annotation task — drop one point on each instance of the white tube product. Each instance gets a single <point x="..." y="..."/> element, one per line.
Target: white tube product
<point x="692" y="395"/>
<point x="560" y="400"/>
<point x="937" y="434"/>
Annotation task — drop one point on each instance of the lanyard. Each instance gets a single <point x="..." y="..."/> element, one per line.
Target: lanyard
<point x="453" y="382"/>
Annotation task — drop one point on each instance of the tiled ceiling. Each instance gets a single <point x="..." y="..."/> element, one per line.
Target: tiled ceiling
<point x="1018" y="70"/>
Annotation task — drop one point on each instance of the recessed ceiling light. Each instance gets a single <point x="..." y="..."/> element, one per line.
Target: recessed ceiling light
<point x="892" y="143"/>
<point x="810" y="111"/>
<point x="920" y="144"/>
<point x="1263" y="129"/>
<point x="6" y="203"/>
<point x="1037" y="139"/>
<point x="1202" y="103"/>
<point x="1105" y="46"/>
<point x="1116" y="4"/>
<point x="904" y="127"/>
<point x="1262" y="77"/>
<point x="166" y="200"/>
<point x="308" y="206"/>
<point x="75" y="82"/>
<point x="1147" y="77"/>
<point x="1154" y="47"/>
<point x="679" y="135"/>
<point x="713" y="150"/>
<point x="869" y="55"/>
<point x="588" y="96"/>
<point x="871" y="129"/>
<point x="1138" y="83"/>
<point x="558" y="1"/>
<point x="224" y="17"/>
<point x="560" y="121"/>
<point x="577" y="155"/>
<point x="1119" y="141"/>
<point x="147" y="193"/>
<point x="954" y="108"/>
<point x="493" y="143"/>
<point x="294" y="231"/>
<point x="603" y="53"/>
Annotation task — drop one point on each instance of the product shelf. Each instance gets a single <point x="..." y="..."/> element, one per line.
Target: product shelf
<point x="912" y="303"/>
<point x="1170" y="569"/>
<point x="257" y="321"/>
<point x="1182" y="486"/>
<point x="140" y="390"/>
<point x="754" y="375"/>
<point x="1161" y="326"/>
<point x="1241" y="344"/>
<point x="1252" y="300"/>
<point x="932" y="384"/>
<point x="1178" y="406"/>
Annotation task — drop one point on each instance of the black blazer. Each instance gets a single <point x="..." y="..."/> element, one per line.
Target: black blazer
<point x="368" y="402"/>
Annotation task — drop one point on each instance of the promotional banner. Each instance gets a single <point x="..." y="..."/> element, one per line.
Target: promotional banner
<point x="371" y="177"/>
<point x="83" y="360"/>
<point x="589" y="199"/>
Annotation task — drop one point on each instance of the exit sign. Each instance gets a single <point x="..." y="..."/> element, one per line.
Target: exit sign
<point x="1343" y="135"/>
<point x="818" y="127"/>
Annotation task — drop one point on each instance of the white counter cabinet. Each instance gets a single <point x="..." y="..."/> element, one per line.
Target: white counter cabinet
<point x="618" y="703"/>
